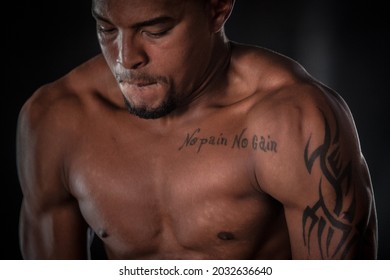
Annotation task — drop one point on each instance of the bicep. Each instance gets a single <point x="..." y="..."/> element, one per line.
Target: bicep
<point x="52" y="232"/>
<point x="331" y="217"/>
<point x="337" y="224"/>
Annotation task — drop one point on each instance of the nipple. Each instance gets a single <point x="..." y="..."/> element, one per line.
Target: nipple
<point x="226" y="235"/>
<point x="102" y="233"/>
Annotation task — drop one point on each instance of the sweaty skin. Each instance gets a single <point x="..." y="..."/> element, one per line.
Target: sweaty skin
<point x="253" y="159"/>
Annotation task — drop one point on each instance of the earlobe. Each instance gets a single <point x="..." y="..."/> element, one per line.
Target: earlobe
<point x="220" y="11"/>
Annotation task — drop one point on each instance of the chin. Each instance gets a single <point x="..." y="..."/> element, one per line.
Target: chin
<point x="144" y="112"/>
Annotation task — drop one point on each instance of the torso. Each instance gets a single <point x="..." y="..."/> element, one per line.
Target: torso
<point x="152" y="195"/>
<point x="151" y="190"/>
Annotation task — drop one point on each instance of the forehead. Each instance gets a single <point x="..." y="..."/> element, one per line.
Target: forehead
<point x="125" y="8"/>
<point x="136" y="3"/>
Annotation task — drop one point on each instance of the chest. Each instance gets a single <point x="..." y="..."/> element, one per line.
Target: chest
<point x="176" y="187"/>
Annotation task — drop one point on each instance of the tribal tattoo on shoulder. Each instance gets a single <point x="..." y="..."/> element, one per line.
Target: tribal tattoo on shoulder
<point x="330" y="224"/>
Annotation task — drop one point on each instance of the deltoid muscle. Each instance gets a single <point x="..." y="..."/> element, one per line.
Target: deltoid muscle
<point x="329" y="224"/>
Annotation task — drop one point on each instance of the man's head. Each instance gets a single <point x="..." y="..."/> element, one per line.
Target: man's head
<point x="160" y="51"/>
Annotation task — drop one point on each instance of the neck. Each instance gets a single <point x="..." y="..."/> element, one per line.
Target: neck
<point x="214" y="73"/>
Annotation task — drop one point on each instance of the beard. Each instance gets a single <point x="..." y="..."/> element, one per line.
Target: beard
<point x="144" y="112"/>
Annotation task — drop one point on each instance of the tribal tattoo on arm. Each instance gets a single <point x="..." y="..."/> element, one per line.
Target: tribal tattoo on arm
<point x="330" y="225"/>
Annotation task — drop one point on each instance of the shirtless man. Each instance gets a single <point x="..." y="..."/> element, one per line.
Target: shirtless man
<point x="229" y="151"/>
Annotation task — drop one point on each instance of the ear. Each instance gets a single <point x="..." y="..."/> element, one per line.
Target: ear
<point x="220" y="11"/>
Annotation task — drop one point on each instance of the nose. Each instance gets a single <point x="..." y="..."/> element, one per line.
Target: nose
<point x="132" y="54"/>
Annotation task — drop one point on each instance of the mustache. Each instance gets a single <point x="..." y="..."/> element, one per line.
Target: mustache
<point x="139" y="78"/>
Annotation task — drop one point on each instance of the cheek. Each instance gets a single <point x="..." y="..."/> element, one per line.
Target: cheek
<point x="109" y="51"/>
<point x="110" y="54"/>
<point x="110" y="61"/>
<point x="176" y="65"/>
<point x="185" y="61"/>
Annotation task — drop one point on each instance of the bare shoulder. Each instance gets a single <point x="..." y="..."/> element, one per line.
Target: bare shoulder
<point x="267" y="72"/>
<point x="298" y="112"/>
<point x="286" y="97"/>
<point x="51" y="120"/>
<point x="60" y="103"/>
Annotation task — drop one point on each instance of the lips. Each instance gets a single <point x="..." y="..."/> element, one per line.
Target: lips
<point x="138" y="88"/>
<point x="143" y="84"/>
<point x="139" y="84"/>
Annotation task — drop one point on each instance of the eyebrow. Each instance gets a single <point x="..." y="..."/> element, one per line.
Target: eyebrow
<point x="149" y="22"/>
<point x="97" y="16"/>
<point x="153" y="21"/>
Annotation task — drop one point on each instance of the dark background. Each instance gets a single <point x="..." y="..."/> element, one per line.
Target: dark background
<point x="342" y="43"/>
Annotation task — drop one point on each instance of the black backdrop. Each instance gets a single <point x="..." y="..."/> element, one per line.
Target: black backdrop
<point x="342" y="43"/>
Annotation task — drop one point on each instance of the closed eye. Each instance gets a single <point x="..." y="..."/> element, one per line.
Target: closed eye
<point x="156" y="35"/>
<point x="106" y="30"/>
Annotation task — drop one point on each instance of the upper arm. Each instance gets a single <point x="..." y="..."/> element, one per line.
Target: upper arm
<point x="51" y="226"/>
<point x="322" y="180"/>
<point x="333" y="222"/>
